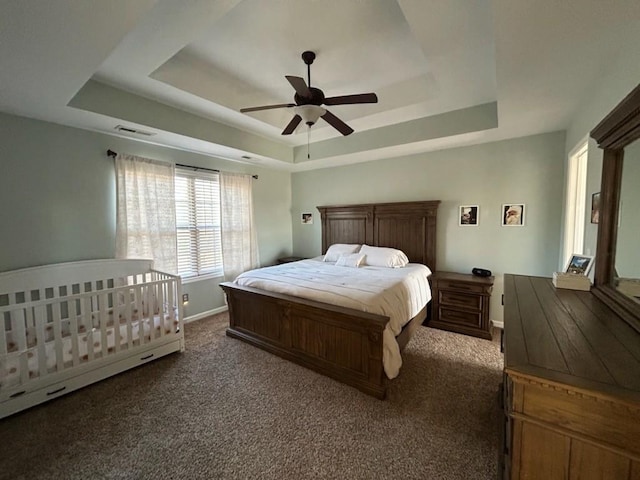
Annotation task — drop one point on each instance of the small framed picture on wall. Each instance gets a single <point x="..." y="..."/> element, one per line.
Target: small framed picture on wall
<point x="513" y="214"/>
<point x="595" y="207"/>
<point x="307" y="218"/>
<point x="468" y="215"/>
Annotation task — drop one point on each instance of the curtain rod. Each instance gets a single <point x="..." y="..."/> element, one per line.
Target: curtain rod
<point x="111" y="153"/>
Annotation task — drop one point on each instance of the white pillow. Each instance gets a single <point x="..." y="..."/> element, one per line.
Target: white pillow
<point x="384" y="257"/>
<point x="337" y="249"/>
<point x="351" y="260"/>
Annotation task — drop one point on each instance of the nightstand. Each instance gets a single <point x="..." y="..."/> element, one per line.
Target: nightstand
<point x="289" y="259"/>
<point x="461" y="303"/>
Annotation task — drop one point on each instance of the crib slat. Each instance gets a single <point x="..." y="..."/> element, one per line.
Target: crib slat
<point x="104" y="319"/>
<point x="87" y="322"/>
<point x="73" y="330"/>
<point x="94" y="299"/>
<point x="40" y="319"/>
<point x="57" y="335"/>
<point x="172" y="303"/>
<point x="29" y="322"/>
<point x="20" y="338"/>
<point x="151" y="312"/>
<point x="3" y="337"/>
<point x="130" y="308"/>
<point x="142" y="315"/>
<point x="160" y="288"/>
<point x="128" y="316"/>
<point x="116" y="319"/>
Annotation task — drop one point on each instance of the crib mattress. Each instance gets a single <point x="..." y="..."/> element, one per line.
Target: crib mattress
<point x="10" y="374"/>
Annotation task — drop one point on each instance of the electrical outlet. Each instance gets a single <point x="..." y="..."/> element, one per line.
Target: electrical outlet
<point x="185" y="298"/>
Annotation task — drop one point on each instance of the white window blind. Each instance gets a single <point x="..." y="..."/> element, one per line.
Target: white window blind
<point x="198" y="223"/>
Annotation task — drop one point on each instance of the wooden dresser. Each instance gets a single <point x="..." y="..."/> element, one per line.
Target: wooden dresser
<point x="572" y="386"/>
<point x="461" y="303"/>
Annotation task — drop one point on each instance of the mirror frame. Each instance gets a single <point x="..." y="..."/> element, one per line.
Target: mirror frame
<point x="617" y="130"/>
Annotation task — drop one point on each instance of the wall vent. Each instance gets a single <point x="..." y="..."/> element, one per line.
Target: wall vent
<point x="122" y="128"/>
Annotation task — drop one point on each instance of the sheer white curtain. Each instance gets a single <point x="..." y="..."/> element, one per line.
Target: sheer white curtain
<point x="239" y="239"/>
<point x="146" y="217"/>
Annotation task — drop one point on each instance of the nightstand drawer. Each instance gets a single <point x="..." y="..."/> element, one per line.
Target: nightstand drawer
<point x="462" y="286"/>
<point x="472" y="302"/>
<point x="460" y="317"/>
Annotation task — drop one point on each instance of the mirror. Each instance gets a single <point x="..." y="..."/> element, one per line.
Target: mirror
<point x="617" y="275"/>
<point x="627" y="255"/>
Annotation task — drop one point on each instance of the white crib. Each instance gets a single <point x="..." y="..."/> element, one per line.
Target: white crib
<point x="68" y="325"/>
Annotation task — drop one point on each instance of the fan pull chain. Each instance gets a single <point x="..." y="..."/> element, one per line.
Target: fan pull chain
<point x="308" y="136"/>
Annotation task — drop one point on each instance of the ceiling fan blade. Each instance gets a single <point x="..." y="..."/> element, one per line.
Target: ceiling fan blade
<point x="299" y="85"/>
<point x="267" y="107"/>
<point x="349" y="99"/>
<point x="336" y="123"/>
<point x="295" y="121"/>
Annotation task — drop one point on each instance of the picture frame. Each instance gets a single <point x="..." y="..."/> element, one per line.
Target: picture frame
<point x="468" y="215"/>
<point x="595" y="207"/>
<point x="579" y="264"/>
<point x="307" y="218"/>
<point x="513" y="214"/>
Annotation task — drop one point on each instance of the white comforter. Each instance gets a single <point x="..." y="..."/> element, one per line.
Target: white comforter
<point x="399" y="293"/>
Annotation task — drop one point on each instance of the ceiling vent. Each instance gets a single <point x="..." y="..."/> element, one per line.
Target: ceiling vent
<point x="122" y="128"/>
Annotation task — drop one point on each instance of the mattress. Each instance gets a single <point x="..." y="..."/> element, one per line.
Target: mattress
<point x="399" y="293"/>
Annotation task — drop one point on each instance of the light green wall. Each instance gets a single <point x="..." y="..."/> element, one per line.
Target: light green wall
<point x="57" y="197"/>
<point x="619" y="78"/>
<point x="525" y="170"/>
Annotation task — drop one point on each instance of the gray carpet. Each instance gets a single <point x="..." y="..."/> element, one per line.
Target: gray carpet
<point x="225" y="409"/>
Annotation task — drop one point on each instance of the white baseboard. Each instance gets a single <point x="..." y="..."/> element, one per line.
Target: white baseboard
<point x="206" y="313"/>
<point x="497" y="324"/>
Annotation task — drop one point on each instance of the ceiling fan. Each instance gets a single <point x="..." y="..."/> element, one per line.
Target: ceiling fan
<point x="309" y="101"/>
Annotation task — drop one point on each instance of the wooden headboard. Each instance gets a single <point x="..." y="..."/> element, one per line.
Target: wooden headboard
<point x="407" y="226"/>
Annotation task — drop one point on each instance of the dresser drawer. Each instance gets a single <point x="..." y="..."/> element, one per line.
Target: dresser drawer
<point x="473" y="302"/>
<point x="460" y="317"/>
<point x="463" y="286"/>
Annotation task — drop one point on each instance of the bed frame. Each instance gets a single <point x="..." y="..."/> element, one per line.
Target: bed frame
<point x="339" y="342"/>
<point x="67" y="325"/>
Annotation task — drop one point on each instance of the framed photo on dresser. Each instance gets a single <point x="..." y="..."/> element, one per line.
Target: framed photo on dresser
<point x="579" y="264"/>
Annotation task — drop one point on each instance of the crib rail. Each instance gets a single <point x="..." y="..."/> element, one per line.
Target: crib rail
<point x="48" y="330"/>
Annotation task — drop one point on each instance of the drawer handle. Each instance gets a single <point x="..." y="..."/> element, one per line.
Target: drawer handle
<point x="57" y="391"/>
<point x="147" y="357"/>
<point x="17" y="394"/>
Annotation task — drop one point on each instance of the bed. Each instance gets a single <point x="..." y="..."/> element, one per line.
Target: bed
<point x="344" y="343"/>
<point x="65" y="326"/>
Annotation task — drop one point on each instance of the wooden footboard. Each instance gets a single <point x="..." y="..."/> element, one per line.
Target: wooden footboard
<point x="339" y="342"/>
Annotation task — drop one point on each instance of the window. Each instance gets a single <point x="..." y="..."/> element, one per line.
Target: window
<point x="198" y="223"/>
<point x="575" y="202"/>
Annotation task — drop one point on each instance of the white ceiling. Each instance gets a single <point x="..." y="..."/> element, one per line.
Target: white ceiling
<point x="446" y="72"/>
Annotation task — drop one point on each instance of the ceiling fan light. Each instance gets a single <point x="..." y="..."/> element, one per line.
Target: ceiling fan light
<point x="310" y="113"/>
